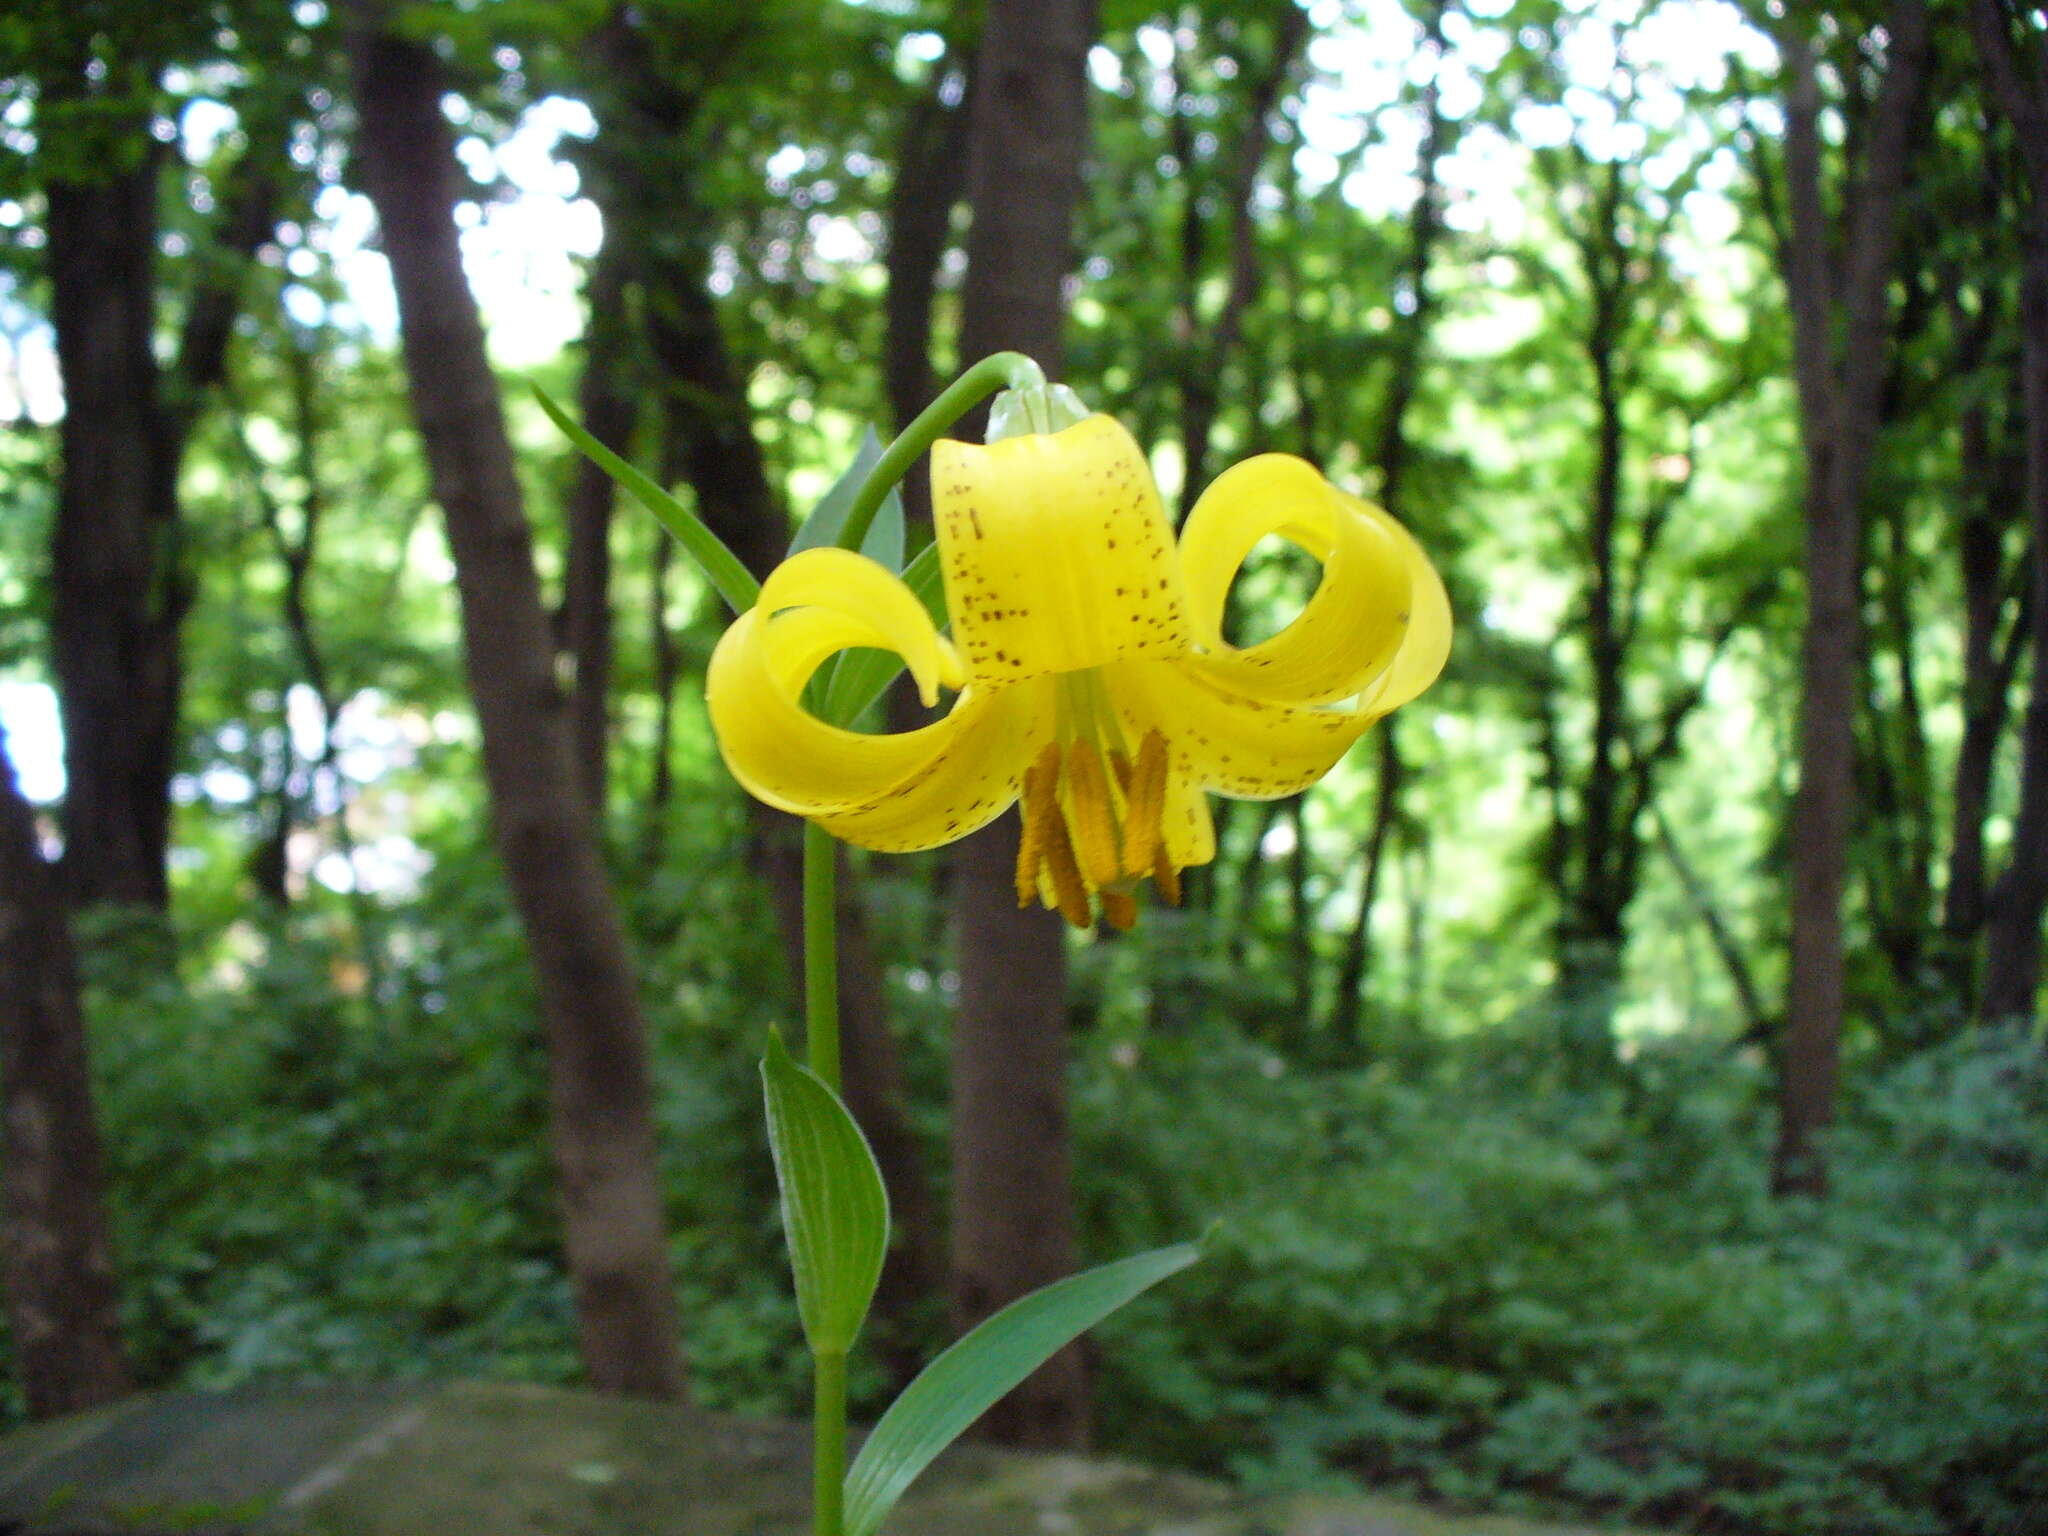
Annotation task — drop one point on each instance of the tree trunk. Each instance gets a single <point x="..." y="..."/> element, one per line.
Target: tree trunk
<point x="717" y="451"/>
<point x="1590" y="929"/>
<point x="119" y="587"/>
<point x="607" y="409"/>
<point x="2012" y="928"/>
<point x="931" y="176"/>
<point x="1346" y="1027"/>
<point x="1839" y="398"/>
<point x="118" y="592"/>
<point x="1425" y="224"/>
<point x="1987" y="676"/>
<point x="1202" y="382"/>
<point x="1012" y="1202"/>
<point x="58" y="1263"/>
<point x="601" y="1113"/>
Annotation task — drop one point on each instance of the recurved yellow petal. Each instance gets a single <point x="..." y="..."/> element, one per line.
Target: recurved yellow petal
<point x="1188" y="835"/>
<point x="966" y="783"/>
<point x="859" y="590"/>
<point x="1056" y="553"/>
<point x="913" y="789"/>
<point x="1248" y="747"/>
<point x="1427" y="645"/>
<point x="1354" y="623"/>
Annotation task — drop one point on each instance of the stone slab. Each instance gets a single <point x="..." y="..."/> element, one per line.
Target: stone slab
<point x="477" y="1459"/>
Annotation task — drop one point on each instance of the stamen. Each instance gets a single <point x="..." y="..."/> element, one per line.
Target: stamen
<point x="1093" y="813"/>
<point x="1070" y="891"/>
<point x="1093" y="820"/>
<point x="1040" y="805"/>
<point x="1143" y="844"/>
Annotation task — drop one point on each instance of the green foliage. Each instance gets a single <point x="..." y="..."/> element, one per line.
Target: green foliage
<point x="1500" y="1296"/>
<point x="1451" y="1275"/>
<point x="835" y="1211"/>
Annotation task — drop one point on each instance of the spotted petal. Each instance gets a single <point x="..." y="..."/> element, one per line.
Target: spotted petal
<point x="1238" y="744"/>
<point x="1354" y="624"/>
<point x="1056" y="551"/>
<point x="912" y="789"/>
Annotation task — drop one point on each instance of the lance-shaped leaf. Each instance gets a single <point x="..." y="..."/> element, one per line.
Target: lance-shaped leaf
<point x="966" y="1381"/>
<point x="883" y="542"/>
<point x="721" y="567"/>
<point x="835" y="1211"/>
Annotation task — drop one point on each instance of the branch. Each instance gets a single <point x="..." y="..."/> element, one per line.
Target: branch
<point x="1757" y="1023"/>
<point x="1678" y="709"/>
<point x="2023" y="99"/>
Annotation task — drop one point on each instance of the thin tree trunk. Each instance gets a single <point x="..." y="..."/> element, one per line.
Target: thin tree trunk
<point x="57" y="1260"/>
<point x="295" y="554"/>
<point x="1201" y="386"/>
<point x="607" y="409"/>
<point x="1248" y="887"/>
<point x="1590" y="935"/>
<point x="2012" y="928"/>
<point x="1747" y="994"/>
<point x="118" y="592"/>
<point x="1425" y="224"/>
<point x="668" y="671"/>
<point x="1347" y="1008"/>
<point x="1012" y="1199"/>
<point x="1839" y="400"/>
<point x="716" y="448"/>
<point x="931" y="177"/>
<point x="119" y="588"/>
<point x="1987" y="683"/>
<point x="1300" y="919"/>
<point x="600" y="1099"/>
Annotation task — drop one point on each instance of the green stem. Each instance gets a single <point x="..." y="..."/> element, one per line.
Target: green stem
<point x="1010" y="370"/>
<point x="999" y="370"/>
<point x="828" y="1447"/>
<point x="821" y="954"/>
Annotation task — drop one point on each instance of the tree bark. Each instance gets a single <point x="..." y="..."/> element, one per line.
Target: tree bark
<point x="1987" y="665"/>
<point x="1201" y="384"/>
<point x="1425" y="225"/>
<point x="608" y="411"/>
<point x="1839" y="395"/>
<point x="1012" y="1200"/>
<point x="58" y="1261"/>
<point x="602" y="1122"/>
<point x="2012" y="928"/>
<point x="716" y="451"/>
<point x="1347" y="1008"/>
<point x="119" y="589"/>
<point x="931" y="177"/>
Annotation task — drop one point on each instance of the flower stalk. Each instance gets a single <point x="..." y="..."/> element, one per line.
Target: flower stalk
<point x="1001" y="370"/>
<point x="1098" y="795"/>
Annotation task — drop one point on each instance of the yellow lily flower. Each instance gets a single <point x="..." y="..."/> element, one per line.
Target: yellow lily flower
<point x="1093" y="678"/>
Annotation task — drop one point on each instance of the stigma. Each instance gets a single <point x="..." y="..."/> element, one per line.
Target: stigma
<point x="1093" y="813"/>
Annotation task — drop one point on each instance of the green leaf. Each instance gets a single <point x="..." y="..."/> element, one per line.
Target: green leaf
<point x="835" y="1211"/>
<point x="859" y="676"/>
<point x="721" y="567"/>
<point x="967" y="1380"/>
<point x="883" y="542"/>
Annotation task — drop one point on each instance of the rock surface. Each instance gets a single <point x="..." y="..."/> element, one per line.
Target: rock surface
<point x="479" y="1459"/>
